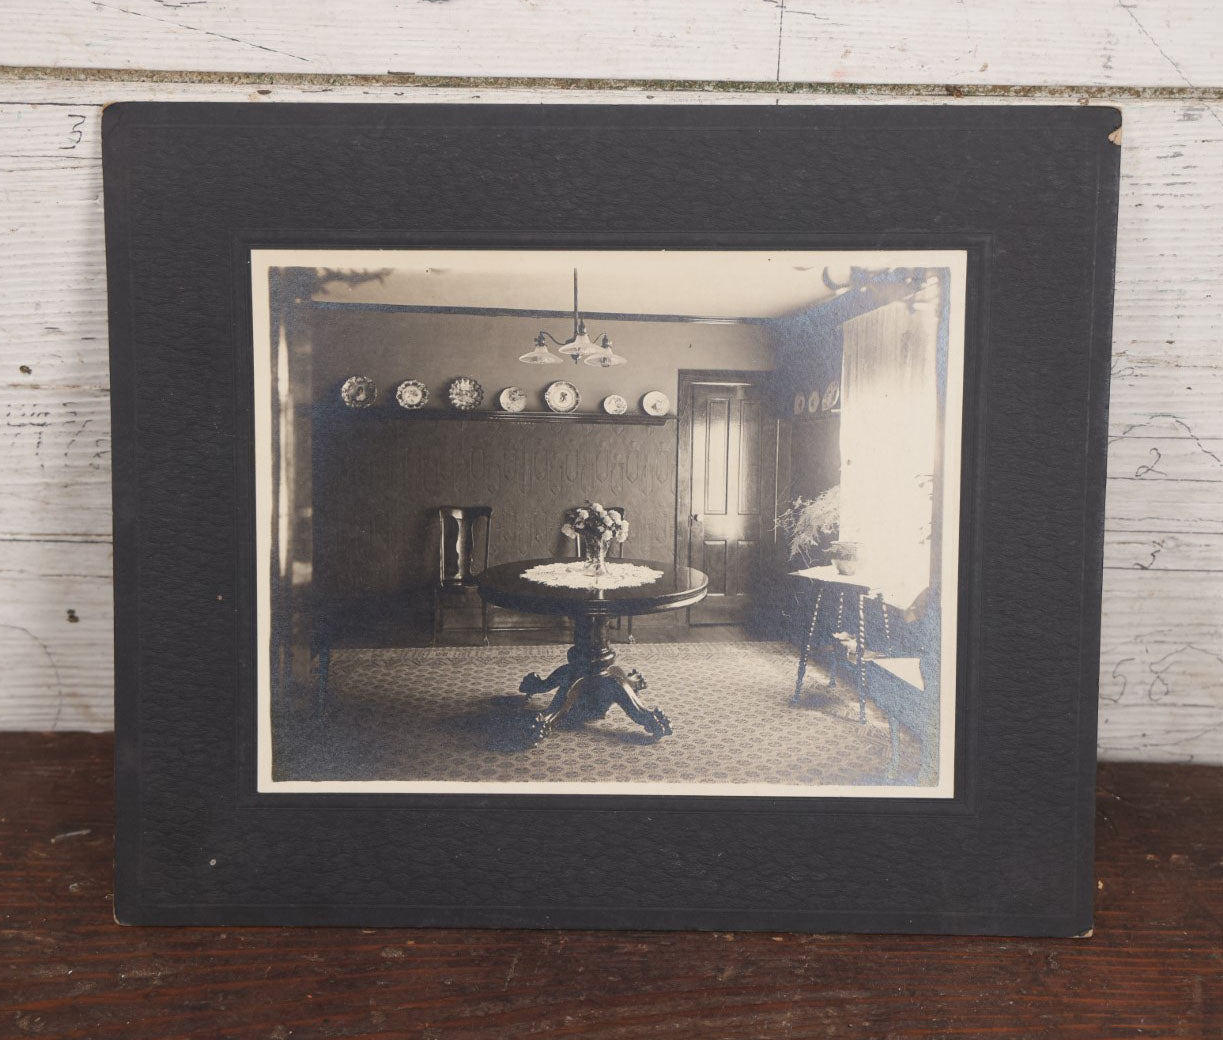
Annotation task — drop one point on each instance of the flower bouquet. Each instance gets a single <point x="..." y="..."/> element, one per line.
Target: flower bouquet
<point x="595" y="528"/>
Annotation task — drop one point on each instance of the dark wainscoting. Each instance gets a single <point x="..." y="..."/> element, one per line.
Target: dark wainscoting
<point x="815" y="459"/>
<point x="378" y="480"/>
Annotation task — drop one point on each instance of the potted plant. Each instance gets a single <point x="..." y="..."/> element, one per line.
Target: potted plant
<point x="811" y="526"/>
<point x="844" y="556"/>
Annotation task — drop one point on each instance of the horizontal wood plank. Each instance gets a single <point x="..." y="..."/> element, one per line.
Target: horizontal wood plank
<point x="55" y="445"/>
<point x="1161" y="676"/>
<point x="1148" y="43"/>
<point x="1172" y="42"/>
<point x="56" y="624"/>
<point x="728" y="39"/>
<point x="1167" y="396"/>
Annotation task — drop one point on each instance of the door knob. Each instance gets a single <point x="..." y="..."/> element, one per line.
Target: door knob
<point x="695" y="518"/>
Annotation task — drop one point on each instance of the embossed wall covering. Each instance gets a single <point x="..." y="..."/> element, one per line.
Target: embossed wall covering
<point x="382" y="479"/>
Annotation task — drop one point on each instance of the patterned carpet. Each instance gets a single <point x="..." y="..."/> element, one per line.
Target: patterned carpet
<point x="455" y="714"/>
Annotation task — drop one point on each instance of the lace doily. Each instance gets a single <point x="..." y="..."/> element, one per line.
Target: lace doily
<point x="570" y="576"/>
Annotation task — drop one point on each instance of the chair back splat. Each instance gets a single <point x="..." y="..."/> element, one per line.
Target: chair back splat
<point x="459" y="543"/>
<point x="458" y="550"/>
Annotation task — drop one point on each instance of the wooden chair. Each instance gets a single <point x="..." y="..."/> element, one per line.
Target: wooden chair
<point x="457" y="553"/>
<point x="901" y="688"/>
<point x="618" y="550"/>
<point x="904" y="683"/>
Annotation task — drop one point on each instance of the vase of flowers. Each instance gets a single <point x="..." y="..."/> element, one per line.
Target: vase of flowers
<point x="596" y="530"/>
<point x="594" y="552"/>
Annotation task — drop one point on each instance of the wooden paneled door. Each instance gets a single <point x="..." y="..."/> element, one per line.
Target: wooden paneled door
<point x="727" y="487"/>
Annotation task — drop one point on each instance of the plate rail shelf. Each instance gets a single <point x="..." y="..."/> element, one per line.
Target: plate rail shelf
<point x="396" y="414"/>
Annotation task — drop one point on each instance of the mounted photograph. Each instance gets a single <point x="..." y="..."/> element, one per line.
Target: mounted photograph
<point x="692" y="536"/>
<point x="633" y="521"/>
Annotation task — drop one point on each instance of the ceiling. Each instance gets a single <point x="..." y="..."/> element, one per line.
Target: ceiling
<point x="707" y="284"/>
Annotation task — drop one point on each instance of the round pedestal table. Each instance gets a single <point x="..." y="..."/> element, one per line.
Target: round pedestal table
<point x="590" y="681"/>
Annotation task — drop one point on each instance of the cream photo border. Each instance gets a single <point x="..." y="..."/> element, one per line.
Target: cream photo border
<point x="263" y="261"/>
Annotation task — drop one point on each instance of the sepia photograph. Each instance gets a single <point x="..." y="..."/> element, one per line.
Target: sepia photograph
<point x="608" y="521"/>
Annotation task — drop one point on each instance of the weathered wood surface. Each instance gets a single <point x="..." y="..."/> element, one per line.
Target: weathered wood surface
<point x="1152" y="968"/>
<point x="1162" y="658"/>
<point x="1174" y="43"/>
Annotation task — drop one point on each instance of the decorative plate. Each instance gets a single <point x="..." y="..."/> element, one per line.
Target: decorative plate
<point x="562" y="396"/>
<point x="832" y="396"/>
<point x="412" y="394"/>
<point x="813" y="402"/>
<point x="655" y="403"/>
<point x="465" y="393"/>
<point x="358" y="391"/>
<point x="614" y="404"/>
<point x="800" y="403"/>
<point x="512" y="399"/>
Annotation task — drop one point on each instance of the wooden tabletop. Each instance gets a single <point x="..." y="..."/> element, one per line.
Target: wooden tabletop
<point x="1154" y="967"/>
<point x="829" y="575"/>
<point x="676" y="586"/>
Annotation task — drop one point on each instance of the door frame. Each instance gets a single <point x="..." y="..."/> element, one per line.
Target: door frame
<point x="688" y="378"/>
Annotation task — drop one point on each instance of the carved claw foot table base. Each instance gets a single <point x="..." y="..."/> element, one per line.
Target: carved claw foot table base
<point x="590" y="683"/>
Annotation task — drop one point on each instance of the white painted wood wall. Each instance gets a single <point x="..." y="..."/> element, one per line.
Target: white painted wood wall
<point x="1161" y="61"/>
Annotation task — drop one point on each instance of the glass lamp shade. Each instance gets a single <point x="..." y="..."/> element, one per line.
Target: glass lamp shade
<point x="541" y="355"/>
<point x="577" y="347"/>
<point x="604" y="357"/>
<point x="586" y="349"/>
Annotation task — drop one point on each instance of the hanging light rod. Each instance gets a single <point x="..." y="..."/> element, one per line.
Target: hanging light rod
<point x="578" y="347"/>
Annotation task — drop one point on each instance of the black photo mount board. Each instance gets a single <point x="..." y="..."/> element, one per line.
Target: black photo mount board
<point x="1030" y="192"/>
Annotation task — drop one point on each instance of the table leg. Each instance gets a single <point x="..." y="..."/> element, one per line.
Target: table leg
<point x="860" y="648"/>
<point x="887" y="629"/>
<point x="623" y="687"/>
<point x="805" y="651"/>
<point x="532" y="683"/>
<point x="565" y="701"/>
<point x="832" y="670"/>
<point x="589" y="684"/>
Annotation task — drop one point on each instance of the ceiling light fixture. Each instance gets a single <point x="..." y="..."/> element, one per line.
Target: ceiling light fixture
<point x="579" y="346"/>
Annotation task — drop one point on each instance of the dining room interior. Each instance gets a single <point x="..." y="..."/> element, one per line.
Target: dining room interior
<point x="647" y="519"/>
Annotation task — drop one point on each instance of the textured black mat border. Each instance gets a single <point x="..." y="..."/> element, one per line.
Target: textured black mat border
<point x="136" y="904"/>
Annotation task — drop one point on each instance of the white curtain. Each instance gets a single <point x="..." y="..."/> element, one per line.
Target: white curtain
<point x="889" y="412"/>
